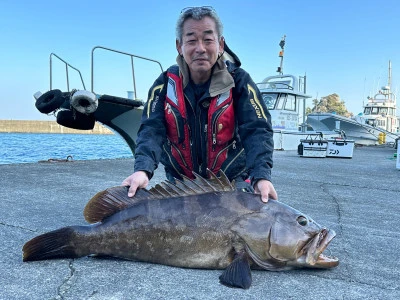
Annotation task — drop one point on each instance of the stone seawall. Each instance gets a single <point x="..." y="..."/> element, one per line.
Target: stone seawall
<point x="26" y="126"/>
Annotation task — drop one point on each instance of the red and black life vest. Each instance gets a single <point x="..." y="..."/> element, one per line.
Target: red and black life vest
<point x="220" y="127"/>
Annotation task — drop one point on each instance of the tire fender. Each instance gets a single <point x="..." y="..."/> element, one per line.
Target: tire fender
<point x="49" y="101"/>
<point x="75" y="120"/>
<point x="84" y="102"/>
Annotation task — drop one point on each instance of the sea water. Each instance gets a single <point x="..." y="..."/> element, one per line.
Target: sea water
<point x="34" y="147"/>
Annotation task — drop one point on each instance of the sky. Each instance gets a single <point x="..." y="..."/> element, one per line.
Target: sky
<point x="342" y="46"/>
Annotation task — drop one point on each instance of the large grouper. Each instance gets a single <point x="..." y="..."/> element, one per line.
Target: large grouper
<point x="196" y="223"/>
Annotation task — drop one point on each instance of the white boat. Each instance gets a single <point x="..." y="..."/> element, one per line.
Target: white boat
<point x="285" y="96"/>
<point x="377" y="125"/>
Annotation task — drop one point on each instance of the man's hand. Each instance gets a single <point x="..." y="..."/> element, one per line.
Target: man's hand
<point x="266" y="189"/>
<point x="137" y="180"/>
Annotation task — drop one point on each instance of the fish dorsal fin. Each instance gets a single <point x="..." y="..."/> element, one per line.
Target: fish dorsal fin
<point x="115" y="199"/>
<point x="198" y="185"/>
<point x="222" y="182"/>
<point x="112" y="200"/>
<point x="183" y="188"/>
<point x="193" y="185"/>
<point x="214" y="183"/>
<point x="205" y="184"/>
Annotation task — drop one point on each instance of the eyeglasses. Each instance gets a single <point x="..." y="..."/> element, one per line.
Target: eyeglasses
<point x="206" y="8"/>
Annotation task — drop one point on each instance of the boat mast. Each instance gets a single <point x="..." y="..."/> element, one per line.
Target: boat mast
<point x="282" y="45"/>
<point x="386" y="90"/>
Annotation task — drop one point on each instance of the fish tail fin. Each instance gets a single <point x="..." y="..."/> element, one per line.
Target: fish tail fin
<point x="59" y="243"/>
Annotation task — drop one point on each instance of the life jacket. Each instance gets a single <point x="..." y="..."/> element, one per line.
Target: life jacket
<point x="220" y="127"/>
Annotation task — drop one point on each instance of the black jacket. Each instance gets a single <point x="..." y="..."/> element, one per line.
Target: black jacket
<point x="251" y="154"/>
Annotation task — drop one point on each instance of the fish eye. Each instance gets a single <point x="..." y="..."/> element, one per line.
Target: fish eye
<point x="302" y="220"/>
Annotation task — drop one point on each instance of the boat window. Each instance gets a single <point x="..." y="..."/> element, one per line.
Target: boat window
<point x="374" y="110"/>
<point x="367" y="111"/>
<point x="281" y="101"/>
<point x="269" y="100"/>
<point x="383" y="110"/>
<point x="371" y="122"/>
<point x="290" y="102"/>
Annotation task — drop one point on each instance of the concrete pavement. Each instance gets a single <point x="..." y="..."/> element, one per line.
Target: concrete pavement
<point x="358" y="198"/>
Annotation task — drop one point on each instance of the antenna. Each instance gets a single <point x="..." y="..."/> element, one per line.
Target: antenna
<point x="365" y="80"/>
<point x="282" y="45"/>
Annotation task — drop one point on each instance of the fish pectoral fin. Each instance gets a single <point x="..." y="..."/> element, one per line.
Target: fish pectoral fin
<point x="238" y="273"/>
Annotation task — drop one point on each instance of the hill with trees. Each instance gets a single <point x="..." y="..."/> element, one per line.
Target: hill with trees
<point x="330" y="104"/>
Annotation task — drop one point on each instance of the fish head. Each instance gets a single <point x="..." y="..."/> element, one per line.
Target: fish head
<point x="280" y="237"/>
<point x="299" y="241"/>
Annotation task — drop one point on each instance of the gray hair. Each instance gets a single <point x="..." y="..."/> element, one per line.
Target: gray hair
<point x="197" y="13"/>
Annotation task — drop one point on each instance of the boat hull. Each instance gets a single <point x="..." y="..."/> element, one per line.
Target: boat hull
<point x="363" y="134"/>
<point x="122" y="116"/>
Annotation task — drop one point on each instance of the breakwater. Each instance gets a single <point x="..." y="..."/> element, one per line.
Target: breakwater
<point x="30" y="126"/>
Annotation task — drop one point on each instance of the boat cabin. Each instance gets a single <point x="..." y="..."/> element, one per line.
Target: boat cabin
<point x="282" y="95"/>
<point x="380" y="111"/>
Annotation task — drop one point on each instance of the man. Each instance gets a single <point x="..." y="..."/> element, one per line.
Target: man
<point x="205" y="113"/>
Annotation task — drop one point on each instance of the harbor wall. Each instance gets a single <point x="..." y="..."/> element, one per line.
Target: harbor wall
<point x="28" y="126"/>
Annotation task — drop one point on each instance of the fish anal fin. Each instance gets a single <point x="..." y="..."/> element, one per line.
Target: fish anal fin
<point x="238" y="273"/>
<point x="111" y="201"/>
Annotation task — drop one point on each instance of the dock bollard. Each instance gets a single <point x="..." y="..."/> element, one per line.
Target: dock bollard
<point x="381" y="138"/>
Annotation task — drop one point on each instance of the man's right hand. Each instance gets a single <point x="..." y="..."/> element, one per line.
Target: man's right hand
<point x="137" y="180"/>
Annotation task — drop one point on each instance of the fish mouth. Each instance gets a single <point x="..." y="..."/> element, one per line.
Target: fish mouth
<point x="314" y="256"/>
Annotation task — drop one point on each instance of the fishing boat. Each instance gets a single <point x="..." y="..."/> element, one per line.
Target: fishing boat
<point x="80" y="109"/>
<point x="378" y="124"/>
<point x="285" y="96"/>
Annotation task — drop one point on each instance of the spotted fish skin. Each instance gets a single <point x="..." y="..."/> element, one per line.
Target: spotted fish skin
<point x="194" y="224"/>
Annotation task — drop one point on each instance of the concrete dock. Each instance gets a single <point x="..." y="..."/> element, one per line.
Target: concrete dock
<point x="359" y="198"/>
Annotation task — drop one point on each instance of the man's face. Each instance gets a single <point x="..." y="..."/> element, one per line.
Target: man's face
<point x="200" y="47"/>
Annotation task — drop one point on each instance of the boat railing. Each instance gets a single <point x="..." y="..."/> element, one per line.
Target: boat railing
<point x="132" y="56"/>
<point x="382" y="97"/>
<point x="67" y="66"/>
<point x="285" y="83"/>
<point x="274" y="86"/>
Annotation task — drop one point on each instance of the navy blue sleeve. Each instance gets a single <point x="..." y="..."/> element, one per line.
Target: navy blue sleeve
<point x="152" y="131"/>
<point x="255" y="129"/>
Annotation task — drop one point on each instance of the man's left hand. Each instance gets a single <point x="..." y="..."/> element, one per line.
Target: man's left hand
<point x="266" y="189"/>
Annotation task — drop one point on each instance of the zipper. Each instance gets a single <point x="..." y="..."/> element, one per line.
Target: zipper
<point x="214" y="126"/>
<point x="231" y="162"/>
<point x="170" y="111"/>
<point x="170" y="159"/>
<point x="233" y="145"/>
<point x="192" y="135"/>
<point x="180" y="154"/>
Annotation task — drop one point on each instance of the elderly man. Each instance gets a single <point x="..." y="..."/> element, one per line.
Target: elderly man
<point x="205" y="113"/>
